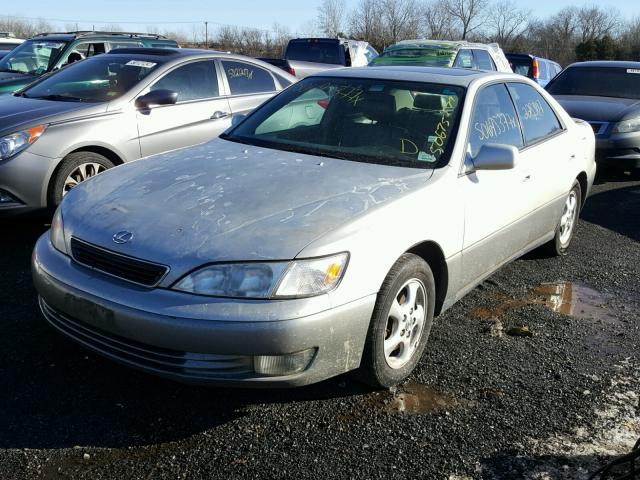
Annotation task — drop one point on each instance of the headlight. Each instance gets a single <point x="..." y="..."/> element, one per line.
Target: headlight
<point x="56" y="234"/>
<point x="300" y="278"/>
<point x="14" y="143"/>
<point x="627" y="126"/>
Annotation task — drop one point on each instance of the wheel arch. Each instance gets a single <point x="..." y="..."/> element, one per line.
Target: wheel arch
<point x="105" y="152"/>
<point x="584" y="186"/>
<point x="431" y="253"/>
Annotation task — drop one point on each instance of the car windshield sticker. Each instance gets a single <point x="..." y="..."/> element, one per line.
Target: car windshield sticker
<point x="426" y="157"/>
<point x="376" y="88"/>
<point x="633" y="70"/>
<point x="240" y="73"/>
<point x="140" y="63"/>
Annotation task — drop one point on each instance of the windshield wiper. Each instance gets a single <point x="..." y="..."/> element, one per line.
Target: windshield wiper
<point x="62" y="98"/>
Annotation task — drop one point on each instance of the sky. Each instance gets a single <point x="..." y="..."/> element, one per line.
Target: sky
<point x="297" y="15"/>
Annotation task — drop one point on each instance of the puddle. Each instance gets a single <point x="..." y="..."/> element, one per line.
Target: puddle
<point x="413" y="399"/>
<point x="568" y="298"/>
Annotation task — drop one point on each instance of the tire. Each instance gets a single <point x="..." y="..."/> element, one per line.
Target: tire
<point x="559" y="245"/>
<point x="76" y="167"/>
<point x="385" y="368"/>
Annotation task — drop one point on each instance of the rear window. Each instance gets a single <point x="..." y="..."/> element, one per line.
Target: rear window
<point x="613" y="82"/>
<point x="521" y="66"/>
<point x="314" y="51"/>
<point x="424" y="55"/>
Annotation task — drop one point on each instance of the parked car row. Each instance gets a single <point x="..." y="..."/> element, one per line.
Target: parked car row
<point x="324" y="229"/>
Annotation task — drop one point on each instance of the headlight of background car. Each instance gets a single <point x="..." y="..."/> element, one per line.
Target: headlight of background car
<point x="300" y="278"/>
<point x="56" y="234"/>
<point x="14" y="143"/>
<point x="627" y="126"/>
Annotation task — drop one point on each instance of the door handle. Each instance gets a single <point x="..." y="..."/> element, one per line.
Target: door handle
<point x="219" y="114"/>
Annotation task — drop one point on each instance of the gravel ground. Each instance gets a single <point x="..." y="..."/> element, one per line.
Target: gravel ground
<point x="510" y="387"/>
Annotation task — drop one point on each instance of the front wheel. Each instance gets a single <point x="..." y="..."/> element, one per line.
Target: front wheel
<point x="566" y="227"/>
<point x="400" y="324"/>
<point x="76" y="168"/>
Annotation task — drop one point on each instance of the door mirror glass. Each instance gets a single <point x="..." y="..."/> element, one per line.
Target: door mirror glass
<point x="157" y="97"/>
<point x="495" y="157"/>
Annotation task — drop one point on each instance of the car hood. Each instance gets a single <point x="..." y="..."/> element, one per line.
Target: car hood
<point x="603" y="109"/>
<point x="224" y="201"/>
<point x="19" y="112"/>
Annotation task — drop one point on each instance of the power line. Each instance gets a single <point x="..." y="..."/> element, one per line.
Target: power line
<point x="131" y="22"/>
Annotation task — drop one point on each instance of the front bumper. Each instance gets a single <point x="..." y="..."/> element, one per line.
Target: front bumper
<point x="619" y="150"/>
<point x="24" y="181"/>
<point x="200" y="348"/>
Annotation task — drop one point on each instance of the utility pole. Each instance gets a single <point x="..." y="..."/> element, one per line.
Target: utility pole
<point x="206" y="34"/>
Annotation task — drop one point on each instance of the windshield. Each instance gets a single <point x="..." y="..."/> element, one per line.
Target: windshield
<point x="431" y="56"/>
<point x="376" y="121"/>
<point x="98" y="79"/>
<point x="34" y="57"/>
<point x="598" y="82"/>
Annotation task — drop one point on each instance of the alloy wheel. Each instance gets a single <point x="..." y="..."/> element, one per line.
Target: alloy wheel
<point x="80" y="174"/>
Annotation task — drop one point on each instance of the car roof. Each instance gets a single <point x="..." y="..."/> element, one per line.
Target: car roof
<point x="606" y="63"/>
<point x="453" y="76"/>
<point x="69" y="36"/>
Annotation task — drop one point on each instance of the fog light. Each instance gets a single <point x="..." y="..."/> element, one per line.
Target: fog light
<point x="280" y="365"/>
<point x="6" y="198"/>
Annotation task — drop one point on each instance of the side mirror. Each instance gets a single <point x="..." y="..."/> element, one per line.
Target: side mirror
<point x="236" y="119"/>
<point x="495" y="157"/>
<point x="157" y="97"/>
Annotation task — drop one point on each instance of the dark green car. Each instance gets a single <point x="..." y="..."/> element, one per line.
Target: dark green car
<point x="47" y="52"/>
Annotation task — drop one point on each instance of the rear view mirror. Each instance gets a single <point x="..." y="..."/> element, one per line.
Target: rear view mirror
<point x="495" y="157"/>
<point x="157" y="97"/>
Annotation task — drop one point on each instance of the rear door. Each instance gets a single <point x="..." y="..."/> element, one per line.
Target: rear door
<point x="547" y="154"/>
<point x="248" y="85"/>
<point x="199" y="115"/>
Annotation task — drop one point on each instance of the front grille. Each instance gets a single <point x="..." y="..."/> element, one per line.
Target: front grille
<point x="150" y="357"/>
<point x="122" y="266"/>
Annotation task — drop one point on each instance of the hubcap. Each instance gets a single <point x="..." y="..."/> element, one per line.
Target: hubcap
<point x="405" y="323"/>
<point x="568" y="219"/>
<point x="80" y="174"/>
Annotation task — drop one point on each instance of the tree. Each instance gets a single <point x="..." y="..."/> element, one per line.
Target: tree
<point x="438" y="24"/>
<point x="331" y="17"/>
<point x="506" y="22"/>
<point x="470" y="14"/>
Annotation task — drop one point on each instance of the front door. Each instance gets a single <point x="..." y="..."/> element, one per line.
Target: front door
<point x="496" y="201"/>
<point x="199" y="115"/>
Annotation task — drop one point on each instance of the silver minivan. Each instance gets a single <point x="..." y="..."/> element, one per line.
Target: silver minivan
<point x="116" y="107"/>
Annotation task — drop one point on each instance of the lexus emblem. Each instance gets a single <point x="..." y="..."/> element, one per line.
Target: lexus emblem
<point x="122" y="237"/>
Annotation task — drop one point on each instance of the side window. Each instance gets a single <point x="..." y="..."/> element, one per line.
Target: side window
<point x="464" y="59"/>
<point x="544" y="70"/>
<point x="484" y="60"/>
<point x="370" y="53"/>
<point x="124" y="44"/>
<point x="538" y="118"/>
<point x="494" y="120"/>
<point x="82" y="51"/>
<point x="193" y="81"/>
<point x="284" y="82"/>
<point x="245" y="78"/>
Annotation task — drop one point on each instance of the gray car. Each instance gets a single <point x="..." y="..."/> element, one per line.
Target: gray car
<point x="322" y="234"/>
<point x="116" y="107"/>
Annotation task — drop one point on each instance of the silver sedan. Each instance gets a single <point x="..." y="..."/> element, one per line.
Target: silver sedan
<point x="322" y="233"/>
<point x="116" y="107"/>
